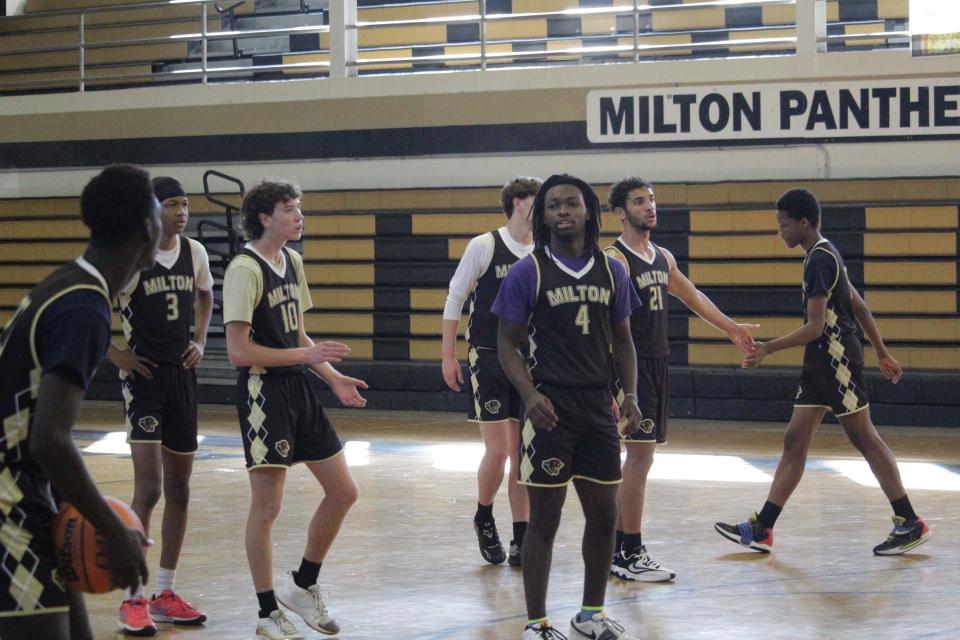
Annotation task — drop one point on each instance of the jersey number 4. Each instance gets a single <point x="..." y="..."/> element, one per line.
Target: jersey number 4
<point x="583" y="319"/>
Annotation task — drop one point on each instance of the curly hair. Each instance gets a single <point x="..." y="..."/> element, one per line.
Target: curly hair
<point x="261" y="198"/>
<point x="620" y="190"/>
<point x="799" y="204"/>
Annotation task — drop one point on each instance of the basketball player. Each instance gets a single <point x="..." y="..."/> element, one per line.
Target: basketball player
<point x="653" y="273"/>
<point x="576" y="304"/>
<point x="831" y="380"/>
<point x="49" y="351"/>
<point x="496" y="405"/>
<point x="159" y="379"/>
<point x="265" y="294"/>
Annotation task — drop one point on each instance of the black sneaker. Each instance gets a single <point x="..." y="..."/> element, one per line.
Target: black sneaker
<point x="906" y="535"/>
<point x="489" y="540"/>
<point x="750" y="534"/>
<point x="513" y="559"/>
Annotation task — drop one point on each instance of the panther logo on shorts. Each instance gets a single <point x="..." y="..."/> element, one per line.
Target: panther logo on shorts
<point x="492" y="406"/>
<point x="148" y="423"/>
<point x="552" y="466"/>
<point x="647" y="426"/>
<point x="282" y="447"/>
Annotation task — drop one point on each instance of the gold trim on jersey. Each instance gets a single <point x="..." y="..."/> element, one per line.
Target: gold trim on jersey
<point x="46" y="303"/>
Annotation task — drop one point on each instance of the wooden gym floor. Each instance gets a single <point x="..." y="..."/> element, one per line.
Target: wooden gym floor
<point x="406" y="563"/>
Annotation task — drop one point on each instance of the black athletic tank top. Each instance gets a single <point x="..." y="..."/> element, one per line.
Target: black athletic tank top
<point x="841" y="320"/>
<point x="482" y="324"/>
<point x="570" y="331"/>
<point x="648" y="323"/>
<point x="21" y="370"/>
<point x="276" y="317"/>
<point x="156" y="319"/>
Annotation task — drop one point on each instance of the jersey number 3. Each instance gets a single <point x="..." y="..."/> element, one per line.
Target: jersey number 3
<point x="173" y="307"/>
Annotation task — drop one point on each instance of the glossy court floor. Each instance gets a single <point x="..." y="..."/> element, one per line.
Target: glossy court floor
<point x="406" y="564"/>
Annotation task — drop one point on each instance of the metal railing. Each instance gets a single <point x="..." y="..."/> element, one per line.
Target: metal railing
<point x="346" y="58"/>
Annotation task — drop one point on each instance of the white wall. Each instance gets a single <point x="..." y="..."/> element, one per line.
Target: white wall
<point x="796" y="161"/>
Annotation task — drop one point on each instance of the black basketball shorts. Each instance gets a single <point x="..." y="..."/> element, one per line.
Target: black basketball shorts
<point x="585" y="443"/>
<point x="493" y="397"/>
<point x="30" y="582"/>
<point x="163" y="409"/>
<point x="832" y="376"/>
<point x="282" y="422"/>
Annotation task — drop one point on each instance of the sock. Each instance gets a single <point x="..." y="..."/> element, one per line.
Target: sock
<point x="306" y="576"/>
<point x="535" y="621"/>
<point x="619" y="543"/>
<point x="484" y="512"/>
<point x="631" y="541"/>
<point x="136" y="593"/>
<point x="902" y="508"/>
<point x="268" y="603"/>
<point x="587" y="612"/>
<point x="519" y="528"/>
<point x="768" y="515"/>
<point x="165" y="578"/>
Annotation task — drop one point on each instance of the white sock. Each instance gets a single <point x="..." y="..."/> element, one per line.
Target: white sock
<point x="165" y="578"/>
<point x="137" y="593"/>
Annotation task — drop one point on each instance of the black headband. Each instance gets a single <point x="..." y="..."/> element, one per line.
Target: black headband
<point x="166" y="187"/>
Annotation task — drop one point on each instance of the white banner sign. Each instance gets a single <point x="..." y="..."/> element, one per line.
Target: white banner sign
<point x="817" y="111"/>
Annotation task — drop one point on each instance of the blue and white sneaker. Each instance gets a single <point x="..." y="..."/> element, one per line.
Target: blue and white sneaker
<point x="599" y="627"/>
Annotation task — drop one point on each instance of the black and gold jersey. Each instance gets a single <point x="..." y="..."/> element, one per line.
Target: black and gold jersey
<point x="570" y="328"/>
<point x="824" y="273"/>
<point x="649" y="323"/>
<point x="157" y="315"/>
<point x="482" y="324"/>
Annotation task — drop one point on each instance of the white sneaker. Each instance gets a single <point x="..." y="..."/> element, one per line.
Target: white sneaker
<point x="542" y="631"/>
<point x="277" y="627"/>
<point x="640" y="567"/>
<point x="600" y="627"/>
<point x="308" y="604"/>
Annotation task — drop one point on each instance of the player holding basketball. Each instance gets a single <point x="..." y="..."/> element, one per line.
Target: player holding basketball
<point x="576" y="304"/>
<point x="496" y="405"/>
<point x="159" y="379"/>
<point x="49" y="351"/>
<point x="265" y="294"/>
<point x="831" y="380"/>
<point x="653" y="274"/>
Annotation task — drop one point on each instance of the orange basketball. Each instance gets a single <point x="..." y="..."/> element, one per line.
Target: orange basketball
<point x="79" y="548"/>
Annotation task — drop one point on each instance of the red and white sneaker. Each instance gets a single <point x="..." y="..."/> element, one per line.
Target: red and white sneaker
<point x="170" y="607"/>
<point x="134" y="619"/>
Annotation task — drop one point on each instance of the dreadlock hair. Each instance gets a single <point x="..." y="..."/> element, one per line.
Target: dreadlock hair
<point x="541" y="232"/>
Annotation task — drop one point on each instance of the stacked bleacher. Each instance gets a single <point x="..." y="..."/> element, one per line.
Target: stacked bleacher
<point x="394" y="38"/>
<point x="379" y="262"/>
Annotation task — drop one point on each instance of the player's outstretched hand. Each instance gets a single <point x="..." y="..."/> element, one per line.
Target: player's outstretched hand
<point x="755" y="357"/>
<point x="890" y="368"/>
<point x="347" y="391"/>
<point x="327" y="352"/>
<point x="743" y="338"/>
<point x="540" y="411"/>
<point x="125" y="557"/>
<point x="192" y="355"/>
<point x="630" y="416"/>
<point x="452" y="373"/>
<point x="130" y="363"/>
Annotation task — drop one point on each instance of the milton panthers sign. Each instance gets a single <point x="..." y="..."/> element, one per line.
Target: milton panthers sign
<point x="767" y="113"/>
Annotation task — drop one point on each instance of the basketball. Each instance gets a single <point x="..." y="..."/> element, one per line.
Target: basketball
<point x="79" y="548"/>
